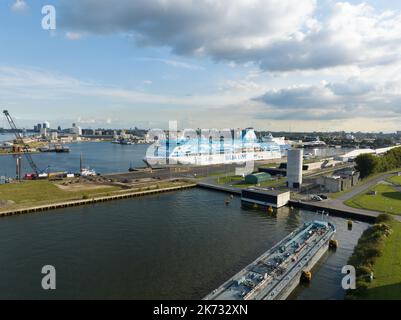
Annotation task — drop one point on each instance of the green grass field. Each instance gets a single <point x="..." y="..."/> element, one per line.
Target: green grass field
<point x="387" y="269"/>
<point x="238" y="182"/>
<point x="271" y="183"/>
<point x="387" y="199"/>
<point x="39" y="192"/>
<point x="229" y="179"/>
<point x="396" y="180"/>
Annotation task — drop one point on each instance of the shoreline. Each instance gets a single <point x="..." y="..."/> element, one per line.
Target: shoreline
<point x="62" y="143"/>
<point x="93" y="200"/>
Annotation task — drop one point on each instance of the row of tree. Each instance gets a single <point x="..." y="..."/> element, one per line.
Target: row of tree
<point x="370" y="247"/>
<point x="368" y="164"/>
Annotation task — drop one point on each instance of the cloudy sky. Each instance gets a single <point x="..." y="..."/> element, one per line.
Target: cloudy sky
<point x="271" y="64"/>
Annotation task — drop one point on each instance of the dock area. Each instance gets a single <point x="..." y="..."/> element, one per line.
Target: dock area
<point x="222" y="188"/>
<point x="338" y="210"/>
<point x="275" y="274"/>
<point x="332" y="207"/>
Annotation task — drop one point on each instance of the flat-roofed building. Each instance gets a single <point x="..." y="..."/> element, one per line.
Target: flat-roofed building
<point x="264" y="197"/>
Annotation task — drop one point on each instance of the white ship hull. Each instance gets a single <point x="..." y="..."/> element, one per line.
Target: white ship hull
<point x="206" y="159"/>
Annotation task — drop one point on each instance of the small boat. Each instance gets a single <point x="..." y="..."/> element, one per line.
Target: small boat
<point x="55" y="148"/>
<point x="86" y="172"/>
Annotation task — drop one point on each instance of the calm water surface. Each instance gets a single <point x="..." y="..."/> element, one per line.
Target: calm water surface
<point x="104" y="157"/>
<point x="172" y="246"/>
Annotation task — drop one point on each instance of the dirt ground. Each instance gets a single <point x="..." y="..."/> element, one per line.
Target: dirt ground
<point x="5" y="203"/>
<point x="80" y="186"/>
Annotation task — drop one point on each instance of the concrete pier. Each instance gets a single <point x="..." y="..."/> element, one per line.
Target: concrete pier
<point x="327" y="206"/>
<point x="222" y="188"/>
<point x="347" y="212"/>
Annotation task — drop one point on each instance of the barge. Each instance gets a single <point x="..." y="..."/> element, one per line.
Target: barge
<point x="275" y="274"/>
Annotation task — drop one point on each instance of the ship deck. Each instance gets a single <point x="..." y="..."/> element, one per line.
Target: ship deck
<point x="268" y="276"/>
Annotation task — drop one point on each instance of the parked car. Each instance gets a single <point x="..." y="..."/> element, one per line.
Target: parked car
<point x="315" y="197"/>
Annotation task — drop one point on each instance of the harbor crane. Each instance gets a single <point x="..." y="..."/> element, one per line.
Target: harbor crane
<point x="20" y="140"/>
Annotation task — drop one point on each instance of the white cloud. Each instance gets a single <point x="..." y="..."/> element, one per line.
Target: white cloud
<point x="173" y="63"/>
<point x="19" y="6"/>
<point x="73" y="35"/>
<point x="352" y="99"/>
<point x="275" y="35"/>
<point x="222" y="29"/>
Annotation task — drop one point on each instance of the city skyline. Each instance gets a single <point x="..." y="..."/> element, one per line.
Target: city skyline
<point x="299" y="66"/>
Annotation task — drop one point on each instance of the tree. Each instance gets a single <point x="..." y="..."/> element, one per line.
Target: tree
<point x="367" y="164"/>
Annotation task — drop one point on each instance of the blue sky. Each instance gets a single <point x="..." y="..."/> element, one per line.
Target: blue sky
<point x="274" y="65"/>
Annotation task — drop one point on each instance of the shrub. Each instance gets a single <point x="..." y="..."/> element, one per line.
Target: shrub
<point x="368" y="249"/>
<point x="384" y="218"/>
<point x="361" y="285"/>
<point x="363" y="271"/>
<point x="372" y="252"/>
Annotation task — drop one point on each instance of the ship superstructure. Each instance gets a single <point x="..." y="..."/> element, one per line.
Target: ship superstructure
<point x="284" y="144"/>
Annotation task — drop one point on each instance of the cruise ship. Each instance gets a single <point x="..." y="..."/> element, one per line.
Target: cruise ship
<point x="284" y="144"/>
<point x="202" y="150"/>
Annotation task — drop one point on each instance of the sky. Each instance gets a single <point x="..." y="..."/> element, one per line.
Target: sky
<point x="292" y="65"/>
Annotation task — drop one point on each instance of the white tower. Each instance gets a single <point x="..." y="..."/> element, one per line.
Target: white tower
<point x="294" y="168"/>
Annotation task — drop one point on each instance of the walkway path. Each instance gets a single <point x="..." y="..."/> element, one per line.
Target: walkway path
<point x="338" y="203"/>
<point x="363" y="187"/>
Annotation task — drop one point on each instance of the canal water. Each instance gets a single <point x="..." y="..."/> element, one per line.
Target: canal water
<point x="103" y="157"/>
<point x="179" y="245"/>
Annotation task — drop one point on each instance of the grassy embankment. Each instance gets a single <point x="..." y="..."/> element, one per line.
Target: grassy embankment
<point x="383" y="197"/>
<point x="34" y="193"/>
<point x="396" y="180"/>
<point x="42" y="192"/>
<point x="378" y="251"/>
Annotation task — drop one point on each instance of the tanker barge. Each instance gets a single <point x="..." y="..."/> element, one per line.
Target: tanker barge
<point x="275" y="274"/>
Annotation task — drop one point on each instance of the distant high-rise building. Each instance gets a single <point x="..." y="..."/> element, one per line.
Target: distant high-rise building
<point x="46" y="125"/>
<point x="54" y="135"/>
<point x="44" y="132"/>
<point x="59" y="128"/>
<point x="39" y="127"/>
<point x="76" y="130"/>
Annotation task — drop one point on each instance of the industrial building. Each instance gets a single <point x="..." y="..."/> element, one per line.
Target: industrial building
<point x="264" y="197"/>
<point x="294" y="168"/>
<point x="256" y="178"/>
<point x="339" y="182"/>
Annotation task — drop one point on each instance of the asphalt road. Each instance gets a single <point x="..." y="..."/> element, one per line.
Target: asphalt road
<point x="338" y="203"/>
<point x="363" y="187"/>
